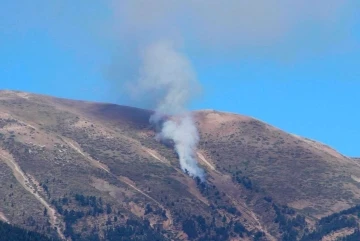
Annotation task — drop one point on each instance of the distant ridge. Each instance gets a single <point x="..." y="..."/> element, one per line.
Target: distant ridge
<point x="94" y="171"/>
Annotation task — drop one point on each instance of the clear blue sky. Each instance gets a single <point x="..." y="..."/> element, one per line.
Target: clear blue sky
<point x="307" y="82"/>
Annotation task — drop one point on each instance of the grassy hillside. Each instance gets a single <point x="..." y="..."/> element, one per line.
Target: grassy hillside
<point x="90" y="171"/>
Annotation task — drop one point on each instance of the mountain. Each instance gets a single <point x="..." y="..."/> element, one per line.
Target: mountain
<point x="78" y="170"/>
<point x="9" y="232"/>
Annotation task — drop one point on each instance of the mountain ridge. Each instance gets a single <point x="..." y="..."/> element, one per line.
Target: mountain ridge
<point x="94" y="163"/>
<point x="27" y="94"/>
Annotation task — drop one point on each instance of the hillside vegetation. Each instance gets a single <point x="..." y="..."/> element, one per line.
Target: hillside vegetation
<point x="77" y="170"/>
<point x="9" y="232"/>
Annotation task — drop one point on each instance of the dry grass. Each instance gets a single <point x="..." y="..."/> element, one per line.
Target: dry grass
<point x="109" y="151"/>
<point x="289" y="168"/>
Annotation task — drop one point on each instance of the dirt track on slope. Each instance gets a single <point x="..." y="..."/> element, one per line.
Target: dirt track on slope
<point x="24" y="181"/>
<point x="3" y="217"/>
<point x="125" y="180"/>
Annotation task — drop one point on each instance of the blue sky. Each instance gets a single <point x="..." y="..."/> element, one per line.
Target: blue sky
<point x="305" y="80"/>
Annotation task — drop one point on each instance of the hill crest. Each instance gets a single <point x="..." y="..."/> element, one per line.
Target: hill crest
<point x="58" y="155"/>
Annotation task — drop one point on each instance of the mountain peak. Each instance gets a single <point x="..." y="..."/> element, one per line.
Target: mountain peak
<point x="72" y="165"/>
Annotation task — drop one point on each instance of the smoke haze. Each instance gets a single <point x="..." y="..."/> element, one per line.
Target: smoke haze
<point x="162" y="78"/>
<point x="224" y="24"/>
<point x="150" y="36"/>
<point x="165" y="78"/>
<point x="167" y="81"/>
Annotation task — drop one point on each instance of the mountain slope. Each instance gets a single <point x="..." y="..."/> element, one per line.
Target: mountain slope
<point x="302" y="173"/>
<point x="81" y="170"/>
<point x="9" y="232"/>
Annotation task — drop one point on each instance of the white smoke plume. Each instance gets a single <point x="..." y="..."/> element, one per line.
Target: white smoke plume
<point x="166" y="77"/>
<point x="185" y="136"/>
<point x="162" y="78"/>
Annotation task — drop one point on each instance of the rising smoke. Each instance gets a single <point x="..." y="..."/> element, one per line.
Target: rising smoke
<point x="160" y="76"/>
<point x="185" y="136"/>
<point x="167" y="77"/>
